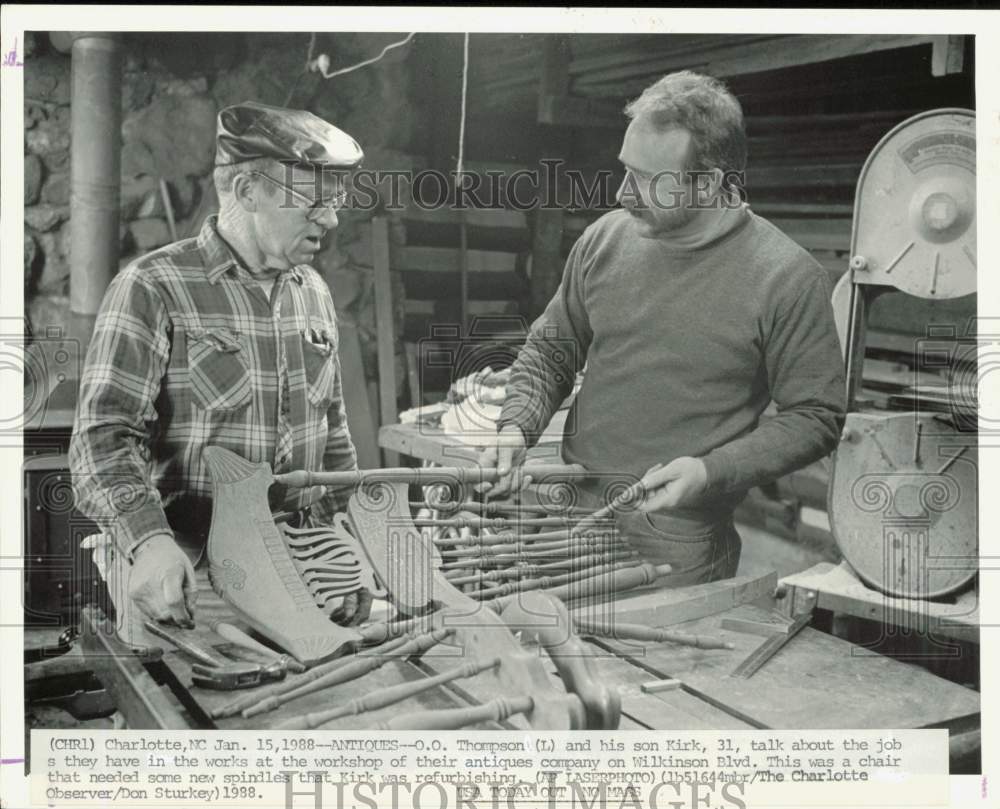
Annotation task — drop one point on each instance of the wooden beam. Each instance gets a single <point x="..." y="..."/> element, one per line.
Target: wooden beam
<point x="882" y="119"/>
<point x="556" y="56"/>
<point x="385" y="327"/>
<point x="357" y="403"/>
<point x="555" y="104"/>
<point x="413" y="373"/>
<point x="546" y="258"/>
<point x="947" y="54"/>
<point x="740" y="58"/>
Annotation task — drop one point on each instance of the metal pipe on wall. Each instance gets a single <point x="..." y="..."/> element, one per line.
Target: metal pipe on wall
<point x="96" y="120"/>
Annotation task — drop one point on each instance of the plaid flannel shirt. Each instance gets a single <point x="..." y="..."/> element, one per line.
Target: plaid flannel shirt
<point x="185" y="354"/>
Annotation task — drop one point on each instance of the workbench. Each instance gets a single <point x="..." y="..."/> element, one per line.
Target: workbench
<point x="813" y="682"/>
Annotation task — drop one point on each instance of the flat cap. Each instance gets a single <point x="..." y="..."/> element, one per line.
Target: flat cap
<point x="250" y="131"/>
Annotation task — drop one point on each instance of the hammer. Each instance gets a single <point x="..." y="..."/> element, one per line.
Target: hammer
<point x="216" y="672"/>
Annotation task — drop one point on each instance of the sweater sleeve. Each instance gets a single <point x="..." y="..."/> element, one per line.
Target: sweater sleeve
<point x="805" y="375"/>
<point x="543" y="374"/>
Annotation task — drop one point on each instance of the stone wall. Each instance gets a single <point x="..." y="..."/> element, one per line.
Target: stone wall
<point x="173" y="85"/>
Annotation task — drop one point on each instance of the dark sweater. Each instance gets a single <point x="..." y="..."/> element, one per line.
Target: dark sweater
<point x="685" y="348"/>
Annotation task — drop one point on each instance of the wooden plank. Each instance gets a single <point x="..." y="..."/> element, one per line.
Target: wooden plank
<point x="663" y="710"/>
<point x="947" y="54"/>
<point x="775" y="642"/>
<point x="385" y="327"/>
<point x="657" y="686"/>
<point x="850" y="121"/>
<point x="413" y="373"/>
<point x="686" y="53"/>
<point x="739" y="620"/>
<point x="556" y="56"/>
<point x="741" y="58"/>
<point x="633" y="54"/>
<point x="816" y="681"/>
<point x="444" y="259"/>
<point x="135" y="693"/>
<point x="546" y="258"/>
<point x="555" y="103"/>
<point x="360" y="414"/>
<point x="666" y="607"/>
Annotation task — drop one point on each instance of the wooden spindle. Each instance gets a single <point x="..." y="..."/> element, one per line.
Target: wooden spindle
<point x="291" y="683"/>
<point x="302" y="479"/>
<point x="599" y="587"/>
<point x="548" y="582"/>
<point x="496" y="710"/>
<point x="505" y="509"/>
<point x="618" y="631"/>
<point x="387" y="696"/>
<point x="490" y="523"/>
<point x="354" y="669"/>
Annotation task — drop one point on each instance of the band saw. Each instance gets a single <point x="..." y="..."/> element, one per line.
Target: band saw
<point x="903" y="494"/>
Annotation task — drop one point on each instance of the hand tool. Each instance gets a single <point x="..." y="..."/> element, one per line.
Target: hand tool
<point x="186" y="645"/>
<point x="759" y="656"/>
<point x="237" y="636"/>
<point x="212" y="671"/>
<point x="233" y="676"/>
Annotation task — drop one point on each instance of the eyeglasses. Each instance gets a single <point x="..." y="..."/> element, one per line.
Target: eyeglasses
<point x="315" y="208"/>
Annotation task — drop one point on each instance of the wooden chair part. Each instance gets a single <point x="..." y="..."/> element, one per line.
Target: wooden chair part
<point x="251" y="567"/>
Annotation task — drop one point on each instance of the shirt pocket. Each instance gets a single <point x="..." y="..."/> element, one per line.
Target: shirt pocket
<point x="320" y="372"/>
<point x="220" y="379"/>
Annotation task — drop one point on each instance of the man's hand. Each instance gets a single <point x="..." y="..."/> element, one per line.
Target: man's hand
<point x="507" y="454"/>
<point x="354" y="609"/>
<point x="162" y="583"/>
<point x="680" y="483"/>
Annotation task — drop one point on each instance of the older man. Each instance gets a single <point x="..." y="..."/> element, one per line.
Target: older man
<point x="227" y="339"/>
<point x="692" y="314"/>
